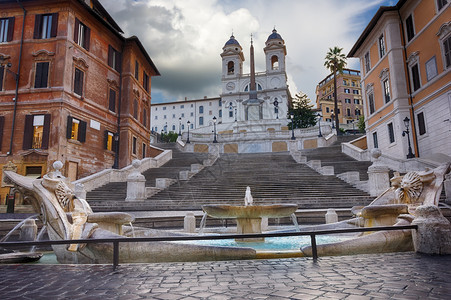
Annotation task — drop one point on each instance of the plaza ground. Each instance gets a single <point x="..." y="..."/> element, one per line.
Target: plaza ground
<point x="372" y="276"/>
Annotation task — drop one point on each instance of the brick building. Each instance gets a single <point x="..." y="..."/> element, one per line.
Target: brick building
<point x="349" y="97"/>
<point x="405" y="54"/>
<point x="72" y="88"/>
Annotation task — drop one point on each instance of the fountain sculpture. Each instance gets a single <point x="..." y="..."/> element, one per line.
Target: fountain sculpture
<point x="249" y="217"/>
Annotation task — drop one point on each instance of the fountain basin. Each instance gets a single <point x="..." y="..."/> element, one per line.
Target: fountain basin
<point x="249" y="212"/>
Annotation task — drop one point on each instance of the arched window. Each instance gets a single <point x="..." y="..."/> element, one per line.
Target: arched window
<point x="274" y="62"/>
<point x="259" y="87"/>
<point x="230" y="68"/>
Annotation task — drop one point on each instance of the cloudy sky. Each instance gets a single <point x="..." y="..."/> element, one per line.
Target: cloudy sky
<point x="184" y="38"/>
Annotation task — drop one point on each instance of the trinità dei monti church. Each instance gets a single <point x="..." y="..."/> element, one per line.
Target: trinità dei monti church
<point x="249" y="102"/>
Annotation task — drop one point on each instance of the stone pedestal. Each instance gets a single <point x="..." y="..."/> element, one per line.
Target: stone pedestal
<point x="184" y="175"/>
<point x="28" y="231"/>
<point x="162" y="183"/>
<point x="378" y="177"/>
<point x="331" y="216"/>
<point x="434" y="231"/>
<point x="249" y="226"/>
<point x="189" y="223"/>
<point x="136" y="184"/>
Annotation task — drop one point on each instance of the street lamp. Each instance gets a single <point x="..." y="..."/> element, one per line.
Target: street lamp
<point x="180" y="126"/>
<point x="353" y="127"/>
<point x="214" y="126"/>
<point x="116" y="151"/>
<point x="187" y="140"/>
<point x="276" y="108"/>
<point x="406" y="132"/>
<point x="332" y="116"/>
<point x="292" y="126"/>
<point x="319" y="125"/>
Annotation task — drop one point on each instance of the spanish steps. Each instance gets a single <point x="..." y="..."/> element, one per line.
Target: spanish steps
<point x="273" y="178"/>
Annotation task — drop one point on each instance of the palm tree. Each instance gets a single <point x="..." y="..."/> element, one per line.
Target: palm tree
<point x="335" y="62"/>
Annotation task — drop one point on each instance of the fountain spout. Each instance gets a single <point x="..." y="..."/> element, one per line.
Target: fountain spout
<point x="248" y="200"/>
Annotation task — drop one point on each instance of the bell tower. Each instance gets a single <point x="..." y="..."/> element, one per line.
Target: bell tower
<point x="275" y="52"/>
<point x="232" y="59"/>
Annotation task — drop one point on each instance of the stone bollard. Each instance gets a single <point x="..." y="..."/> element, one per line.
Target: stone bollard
<point x="195" y="168"/>
<point x="184" y="175"/>
<point x="189" y="222"/>
<point x="434" y="231"/>
<point x="136" y="184"/>
<point x="331" y="216"/>
<point x="80" y="191"/>
<point x="28" y="230"/>
<point x="378" y="178"/>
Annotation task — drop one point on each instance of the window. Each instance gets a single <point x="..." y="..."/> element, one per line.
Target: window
<point x="135" y="109"/>
<point x="375" y="143"/>
<point x="356" y="101"/>
<point x="136" y="70"/>
<point x="173" y="116"/>
<point x="347" y="100"/>
<point x="347" y="91"/>
<point x="36" y="132"/>
<point x="2" y="124"/>
<point x="447" y="51"/>
<point x="230" y="113"/>
<point x="109" y="141"/>
<point x="2" y="72"/>
<point x="345" y="82"/>
<point x="220" y="103"/>
<point x="201" y="109"/>
<point x="114" y="58"/>
<point x="201" y="121"/>
<point x="192" y="105"/>
<point x="371" y="104"/>
<point x="144" y="150"/>
<point x="191" y="114"/>
<point x="355" y="92"/>
<point x="41" y="75"/>
<point x="415" y="77"/>
<point x="386" y="87"/>
<point x="173" y="127"/>
<point x="112" y="101"/>
<point x="183" y="126"/>
<point x="6" y="29"/>
<point x="348" y="112"/>
<point x="276" y="110"/>
<point x="182" y="106"/>
<point x="134" y="140"/>
<point x="192" y="125"/>
<point x="78" y="82"/>
<point x="82" y="34"/>
<point x="45" y="26"/>
<point x="210" y="112"/>
<point x="76" y="129"/>
<point x="327" y="109"/>
<point x="441" y="4"/>
<point x="381" y="46"/>
<point x="182" y="115"/>
<point x="164" y="117"/>
<point x="421" y="123"/>
<point x="164" y="107"/>
<point x="173" y="107"/>
<point x="146" y="82"/>
<point x="230" y="68"/>
<point x="156" y="117"/>
<point x="145" y="117"/>
<point x="367" y="62"/>
<point x="274" y="62"/>
<point x="431" y="68"/>
<point x="220" y="113"/>
<point x="410" y="28"/>
<point x="357" y="112"/>
<point x="391" y="133"/>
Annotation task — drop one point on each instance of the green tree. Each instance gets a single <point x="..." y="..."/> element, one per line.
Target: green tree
<point x="304" y="116"/>
<point x="335" y="62"/>
<point x="361" y="124"/>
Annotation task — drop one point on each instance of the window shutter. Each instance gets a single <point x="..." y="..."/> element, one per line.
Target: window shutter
<point x="87" y="38"/>
<point x="2" y="71"/>
<point x="38" y="75"/>
<point x="37" y="26"/>
<point x="112" y="102"/>
<point x="69" y="127"/>
<point x="110" y="56"/>
<point x="46" y="132"/>
<point x="2" y="123"/>
<point x="105" y="139"/>
<point x="45" y="74"/>
<point x="118" y="61"/>
<point x="82" y="132"/>
<point x="115" y="143"/>
<point x="28" y="132"/>
<point x="76" y="27"/>
<point x="54" y="31"/>
<point x="9" y="37"/>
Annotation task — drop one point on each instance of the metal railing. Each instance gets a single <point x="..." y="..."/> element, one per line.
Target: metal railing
<point x="116" y="241"/>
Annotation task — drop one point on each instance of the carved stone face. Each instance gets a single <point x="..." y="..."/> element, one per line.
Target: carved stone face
<point x="410" y="188"/>
<point x="64" y="195"/>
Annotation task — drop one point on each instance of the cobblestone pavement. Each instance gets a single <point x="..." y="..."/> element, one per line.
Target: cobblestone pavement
<point x="375" y="276"/>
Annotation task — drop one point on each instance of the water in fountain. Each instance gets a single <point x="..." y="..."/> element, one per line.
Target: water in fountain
<point x="295" y="222"/>
<point x="39" y="236"/>
<point x="15" y="228"/>
<point x="133" y="229"/>
<point x="203" y="222"/>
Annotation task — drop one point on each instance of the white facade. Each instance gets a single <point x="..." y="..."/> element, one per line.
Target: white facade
<point x="173" y="116"/>
<point x="271" y="85"/>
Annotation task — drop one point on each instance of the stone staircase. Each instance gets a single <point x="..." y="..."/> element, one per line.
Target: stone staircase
<point x="273" y="178"/>
<point x="117" y="191"/>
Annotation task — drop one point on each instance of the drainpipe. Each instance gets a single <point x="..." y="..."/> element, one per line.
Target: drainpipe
<point x="412" y="109"/>
<point x="119" y="98"/>
<point x="17" y="77"/>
